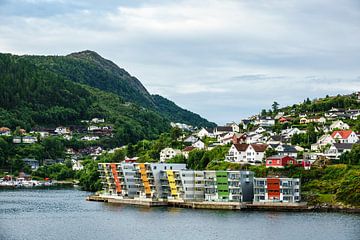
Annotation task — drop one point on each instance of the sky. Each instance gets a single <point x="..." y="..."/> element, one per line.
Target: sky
<point x="223" y="59"/>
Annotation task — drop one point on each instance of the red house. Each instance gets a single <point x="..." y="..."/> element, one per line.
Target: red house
<point x="280" y="161"/>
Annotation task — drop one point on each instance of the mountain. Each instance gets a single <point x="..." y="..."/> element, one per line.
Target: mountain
<point x="63" y="90"/>
<point x="88" y="67"/>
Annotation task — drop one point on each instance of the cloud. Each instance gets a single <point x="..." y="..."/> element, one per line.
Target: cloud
<point x="222" y="58"/>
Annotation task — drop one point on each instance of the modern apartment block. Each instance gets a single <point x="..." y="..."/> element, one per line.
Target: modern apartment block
<point x="170" y="181"/>
<point x="277" y="190"/>
<point x="233" y="186"/>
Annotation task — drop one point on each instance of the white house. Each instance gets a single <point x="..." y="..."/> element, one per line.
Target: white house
<point x="90" y="138"/>
<point x="260" y="130"/>
<point x="94" y="128"/>
<point x="339" y="125"/>
<point x="98" y="120"/>
<point x="322" y="142"/>
<point x="168" y="153"/>
<point x="235" y="127"/>
<point x="286" y="150"/>
<point x="29" y="139"/>
<point x="337" y="149"/>
<point x="345" y="136"/>
<point x="76" y="165"/>
<point x="204" y="133"/>
<point x="62" y="130"/>
<point x="199" y="144"/>
<point x="222" y="129"/>
<point x="266" y="122"/>
<point x="246" y="153"/>
<point x="191" y="139"/>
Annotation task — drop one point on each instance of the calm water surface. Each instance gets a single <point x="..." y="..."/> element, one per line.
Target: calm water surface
<point x="64" y="214"/>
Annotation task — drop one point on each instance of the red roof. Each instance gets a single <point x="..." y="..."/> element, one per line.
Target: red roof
<point x="188" y="149"/>
<point x="343" y="133"/>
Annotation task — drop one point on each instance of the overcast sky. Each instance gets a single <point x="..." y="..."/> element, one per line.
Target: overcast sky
<point x="223" y="59"/>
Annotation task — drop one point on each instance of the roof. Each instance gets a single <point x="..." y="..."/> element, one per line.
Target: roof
<point x="241" y="146"/>
<point x="289" y="148"/>
<point x="279" y="157"/>
<point x="343" y="146"/>
<point x="4" y="129"/>
<point x="188" y="149"/>
<point x="259" y="147"/>
<point x="224" y="129"/>
<point x="343" y="133"/>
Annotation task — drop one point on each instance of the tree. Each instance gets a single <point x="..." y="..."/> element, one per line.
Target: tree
<point x="275" y="107"/>
<point x="270" y="152"/>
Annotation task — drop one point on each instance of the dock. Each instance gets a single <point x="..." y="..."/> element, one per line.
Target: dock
<point x="237" y="206"/>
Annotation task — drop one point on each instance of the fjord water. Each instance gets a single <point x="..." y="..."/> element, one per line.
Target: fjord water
<point x="64" y="214"/>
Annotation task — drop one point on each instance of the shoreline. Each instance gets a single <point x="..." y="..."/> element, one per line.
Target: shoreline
<point x="235" y="206"/>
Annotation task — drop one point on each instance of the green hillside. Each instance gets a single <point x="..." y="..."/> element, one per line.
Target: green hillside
<point x="91" y="69"/>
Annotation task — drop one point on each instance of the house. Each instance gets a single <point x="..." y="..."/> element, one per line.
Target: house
<point x="97" y="120"/>
<point x="337" y="149"/>
<point x="168" y="153"/>
<point x="187" y="150"/>
<point x="345" y="136"/>
<point x="77" y="165"/>
<point x="235" y="127"/>
<point x="322" y="142"/>
<point x="238" y="138"/>
<point x="266" y="122"/>
<point x="92" y="128"/>
<point x="62" y="130"/>
<point x="90" y="138"/>
<point x="255" y="138"/>
<point x="4" y="131"/>
<point x="339" y="125"/>
<point x="222" y="129"/>
<point x="355" y="116"/>
<point x="199" y="144"/>
<point x="246" y="153"/>
<point x="286" y="150"/>
<point x="289" y="132"/>
<point x="17" y="140"/>
<point x="191" y="139"/>
<point x="204" y="133"/>
<point x="283" y="120"/>
<point x="303" y="120"/>
<point x="33" y="163"/>
<point x="260" y="130"/>
<point x="280" y="161"/>
<point x="29" y="139"/>
<point x="275" y="139"/>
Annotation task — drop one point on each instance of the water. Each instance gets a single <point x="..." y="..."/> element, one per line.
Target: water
<point x="64" y="214"/>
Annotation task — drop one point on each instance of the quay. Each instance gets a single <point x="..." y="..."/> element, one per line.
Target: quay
<point x="266" y="206"/>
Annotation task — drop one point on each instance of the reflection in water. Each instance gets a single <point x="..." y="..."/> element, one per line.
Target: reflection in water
<point x="64" y="214"/>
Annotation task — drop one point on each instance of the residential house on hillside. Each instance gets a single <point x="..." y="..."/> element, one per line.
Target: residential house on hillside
<point x="222" y="129"/>
<point x="62" y="130"/>
<point x="286" y="150"/>
<point x="235" y="127"/>
<point x="168" y="153"/>
<point x="4" y="131"/>
<point x="260" y="130"/>
<point x="266" y="122"/>
<point x="339" y="125"/>
<point x="246" y="153"/>
<point x="312" y="120"/>
<point x="280" y="161"/>
<point x="322" y="142"/>
<point x="33" y="163"/>
<point x="190" y="139"/>
<point x="199" y="144"/>
<point x="345" y="136"/>
<point x="29" y="139"/>
<point x="205" y="133"/>
<point x="255" y="138"/>
<point x="337" y="149"/>
<point x="98" y="120"/>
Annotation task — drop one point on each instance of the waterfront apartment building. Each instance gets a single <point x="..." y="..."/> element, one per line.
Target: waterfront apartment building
<point x="232" y="186"/>
<point x="277" y="190"/>
<point x="173" y="182"/>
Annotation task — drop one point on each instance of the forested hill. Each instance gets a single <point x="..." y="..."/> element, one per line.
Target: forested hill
<point x="90" y="68"/>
